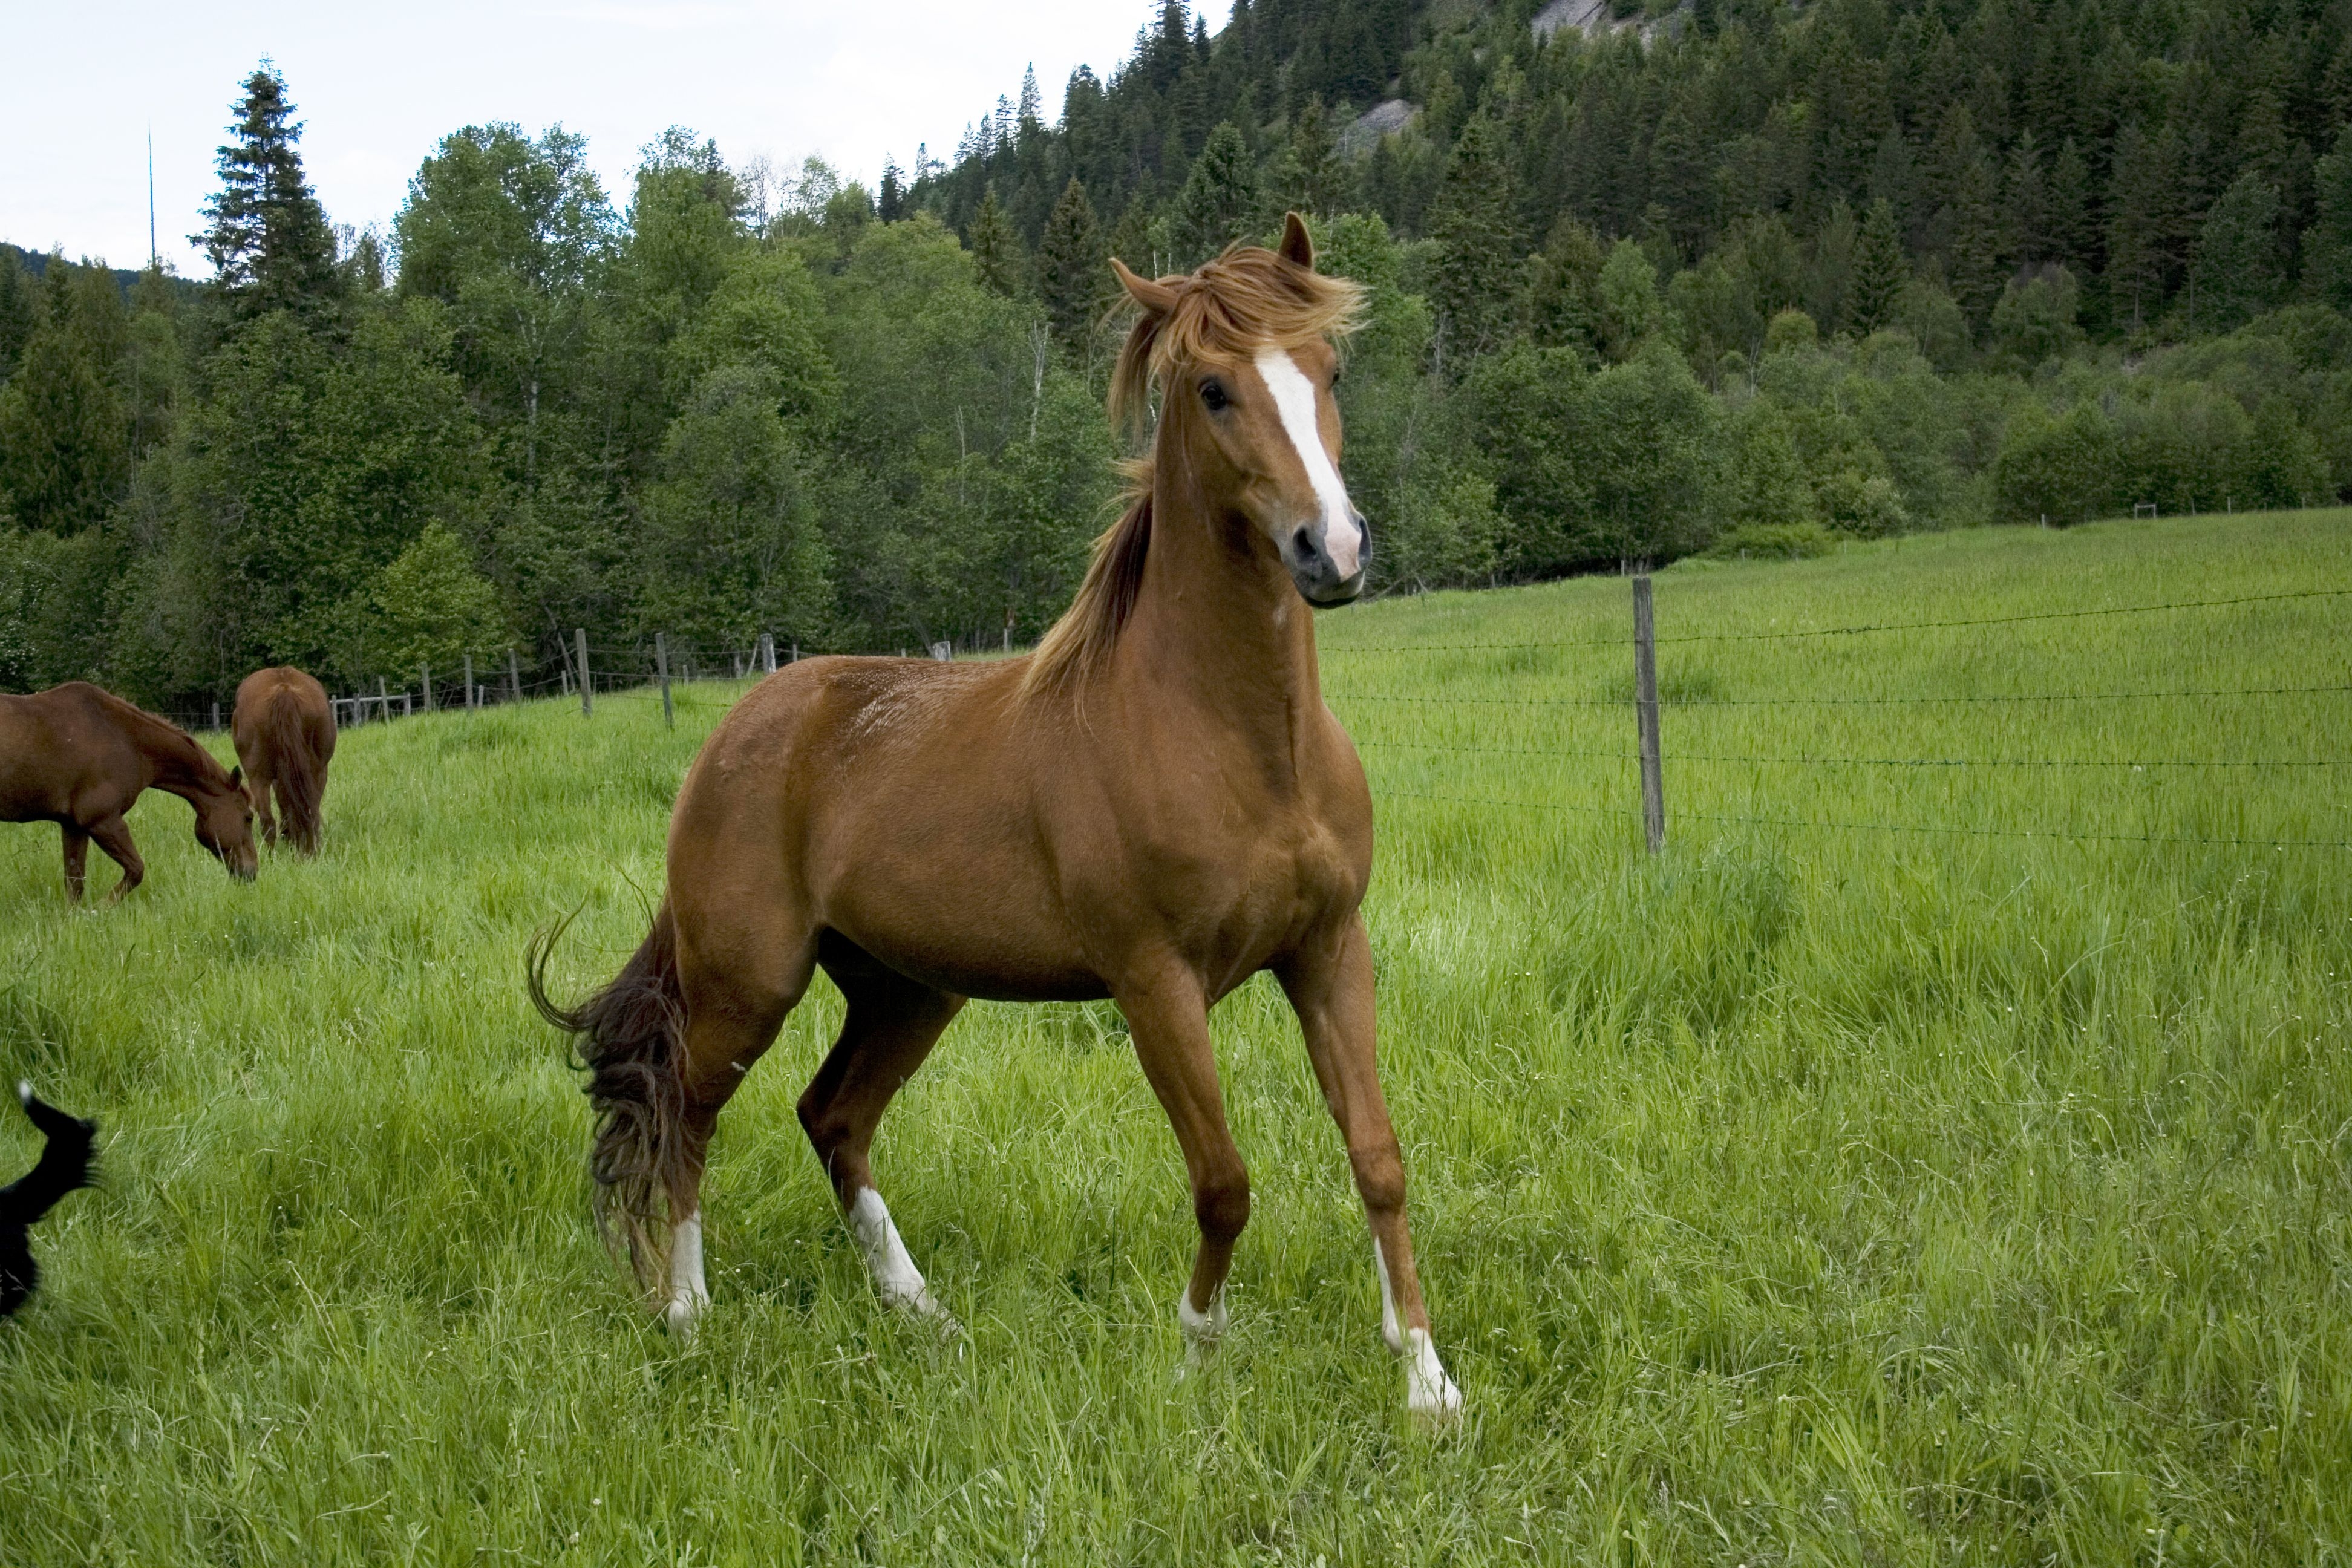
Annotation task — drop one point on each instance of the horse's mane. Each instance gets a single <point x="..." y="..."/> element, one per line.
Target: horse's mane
<point x="1246" y="299"/>
<point x="167" y="737"/>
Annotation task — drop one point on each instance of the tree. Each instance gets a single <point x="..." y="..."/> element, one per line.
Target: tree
<point x="1631" y="312"/>
<point x="1475" y="242"/>
<point x="2327" y="243"/>
<point x="2036" y="319"/>
<point x="65" y="449"/>
<point x="1071" y="270"/>
<point x="268" y="240"/>
<point x="996" y="248"/>
<point x="2235" y="270"/>
<point x="1308" y="175"/>
<point x="1219" y="201"/>
<point x="1563" y="288"/>
<point x="429" y="607"/>
<point x="2056" y="469"/>
<point x="1874" y="290"/>
<point x="2139" y="224"/>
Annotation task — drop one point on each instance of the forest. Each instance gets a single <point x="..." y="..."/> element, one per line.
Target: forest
<point x="1645" y="280"/>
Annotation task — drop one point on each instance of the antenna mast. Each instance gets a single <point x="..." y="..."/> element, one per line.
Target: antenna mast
<point x="155" y="257"/>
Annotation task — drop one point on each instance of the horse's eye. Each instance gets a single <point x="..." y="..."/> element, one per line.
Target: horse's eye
<point x="1213" y="396"/>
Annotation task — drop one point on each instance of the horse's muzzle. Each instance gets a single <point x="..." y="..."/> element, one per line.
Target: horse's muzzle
<point x="1317" y="576"/>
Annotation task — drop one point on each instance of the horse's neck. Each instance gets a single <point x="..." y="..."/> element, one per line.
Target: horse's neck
<point x="1222" y="625"/>
<point x="176" y="763"/>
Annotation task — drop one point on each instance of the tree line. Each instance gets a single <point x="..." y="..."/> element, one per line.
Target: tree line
<point x="1716" y="276"/>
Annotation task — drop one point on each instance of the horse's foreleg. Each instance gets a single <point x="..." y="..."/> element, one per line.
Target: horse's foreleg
<point x="1330" y="986"/>
<point x="113" y="836"/>
<point x="889" y="1027"/>
<point x="259" y="789"/>
<point x="76" y="860"/>
<point x="1169" y="1021"/>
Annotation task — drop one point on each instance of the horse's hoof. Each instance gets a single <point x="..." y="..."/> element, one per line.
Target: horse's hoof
<point x="682" y="1313"/>
<point x="1429" y="1394"/>
<point x="920" y="1303"/>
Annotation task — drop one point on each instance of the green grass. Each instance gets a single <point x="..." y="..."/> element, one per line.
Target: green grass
<point x="1807" y="1194"/>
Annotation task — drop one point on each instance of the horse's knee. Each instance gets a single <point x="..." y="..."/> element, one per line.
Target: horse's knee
<point x="1222" y="1206"/>
<point x="1379" y="1178"/>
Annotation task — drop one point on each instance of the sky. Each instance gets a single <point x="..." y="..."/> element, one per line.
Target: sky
<point x="376" y="86"/>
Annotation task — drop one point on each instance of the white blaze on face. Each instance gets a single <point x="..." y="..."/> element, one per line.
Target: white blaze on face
<point x="1293" y="398"/>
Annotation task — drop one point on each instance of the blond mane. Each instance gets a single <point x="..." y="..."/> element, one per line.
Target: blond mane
<point x="1246" y="299"/>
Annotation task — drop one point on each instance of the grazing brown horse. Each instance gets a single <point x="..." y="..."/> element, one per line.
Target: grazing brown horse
<point x="78" y="756"/>
<point x="1153" y="807"/>
<point x="285" y="734"/>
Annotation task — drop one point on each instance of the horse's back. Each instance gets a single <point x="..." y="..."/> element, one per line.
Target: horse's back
<point x="57" y="747"/>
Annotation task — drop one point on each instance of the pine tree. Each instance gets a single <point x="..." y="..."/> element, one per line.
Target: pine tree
<point x="1220" y="198"/>
<point x="1477" y="246"/>
<point x="1873" y="292"/>
<point x="1979" y="257"/>
<point x="1308" y="175"/>
<point x="894" y="191"/>
<point x="2028" y="205"/>
<point x="20" y="309"/>
<point x="1131" y="236"/>
<point x="2235" y="271"/>
<point x="2140" y="227"/>
<point x="2327" y="243"/>
<point x="2066" y="221"/>
<point x="996" y="255"/>
<point x="268" y="239"/>
<point x="65" y="450"/>
<point x="1070" y="266"/>
<point x="1563" y="309"/>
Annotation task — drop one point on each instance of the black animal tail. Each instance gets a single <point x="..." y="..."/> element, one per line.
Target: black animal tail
<point x="63" y="1166"/>
<point x="632" y="1045"/>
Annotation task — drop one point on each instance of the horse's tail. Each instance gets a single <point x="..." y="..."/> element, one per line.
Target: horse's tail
<point x="300" y="784"/>
<point x="631" y="1037"/>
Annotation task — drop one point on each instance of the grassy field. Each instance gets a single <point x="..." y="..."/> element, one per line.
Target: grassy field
<point x="1812" y="1193"/>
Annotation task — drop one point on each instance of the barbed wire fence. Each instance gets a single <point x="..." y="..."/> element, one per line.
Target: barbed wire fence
<point x="706" y="678"/>
<point x="1648" y="754"/>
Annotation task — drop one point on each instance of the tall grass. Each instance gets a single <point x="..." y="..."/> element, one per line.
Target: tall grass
<point x="1806" y="1194"/>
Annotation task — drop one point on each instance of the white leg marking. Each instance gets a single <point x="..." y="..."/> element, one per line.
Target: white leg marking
<point x="1201" y="1330"/>
<point x="688" y="1294"/>
<point x="1294" y="400"/>
<point x="1427" y="1390"/>
<point x="895" y="1273"/>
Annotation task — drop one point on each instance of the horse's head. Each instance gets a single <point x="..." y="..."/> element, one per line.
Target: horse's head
<point x="1241" y="352"/>
<point x="224" y="826"/>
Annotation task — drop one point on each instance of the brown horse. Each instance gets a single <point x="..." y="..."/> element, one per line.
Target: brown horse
<point x="1153" y="807"/>
<point x="78" y="756"/>
<point x="285" y="734"/>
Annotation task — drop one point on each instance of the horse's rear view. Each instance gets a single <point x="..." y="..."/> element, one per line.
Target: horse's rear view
<point x="1153" y="807"/>
<point x="284" y="728"/>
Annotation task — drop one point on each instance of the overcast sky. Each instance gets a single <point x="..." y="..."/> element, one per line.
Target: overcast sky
<point x="376" y="86"/>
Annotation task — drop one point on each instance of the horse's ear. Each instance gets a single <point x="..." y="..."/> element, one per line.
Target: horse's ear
<point x="1297" y="246"/>
<point x="1155" y="299"/>
<point x="236" y="776"/>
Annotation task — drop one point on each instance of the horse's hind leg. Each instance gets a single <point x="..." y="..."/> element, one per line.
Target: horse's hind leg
<point x="890" y="1025"/>
<point x="76" y="860"/>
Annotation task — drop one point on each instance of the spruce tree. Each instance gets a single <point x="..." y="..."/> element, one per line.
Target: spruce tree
<point x="1979" y="256"/>
<point x="1873" y="292"/>
<point x="1220" y="198"/>
<point x="2139" y="226"/>
<point x="1563" y="308"/>
<point x="268" y="239"/>
<point x="65" y="449"/>
<point x="20" y="309"/>
<point x="1477" y="246"/>
<point x="2235" y="271"/>
<point x="2066" y="220"/>
<point x="996" y="254"/>
<point x="2327" y="243"/>
<point x="1070" y="271"/>
<point x="894" y="191"/>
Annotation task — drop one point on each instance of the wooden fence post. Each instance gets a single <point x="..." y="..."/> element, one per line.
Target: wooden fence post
<point x="1646" y="713"/>
<point x="383" y="699"/>
<point x="661" y="663"/>
<point x="470" y="703"/>
<point x="768" y="652"/>
<point x="425" y="670"/>
<point x="216" y="712"/>
<point x="580" y="641"/>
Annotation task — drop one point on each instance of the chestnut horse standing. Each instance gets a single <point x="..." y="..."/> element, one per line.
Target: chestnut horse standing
<point x="1153" y="807"/>
<point x="285" y="734"/>
<point x="78" y="756"/>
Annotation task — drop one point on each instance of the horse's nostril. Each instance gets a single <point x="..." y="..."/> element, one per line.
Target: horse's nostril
<point x="1304" y="543"/>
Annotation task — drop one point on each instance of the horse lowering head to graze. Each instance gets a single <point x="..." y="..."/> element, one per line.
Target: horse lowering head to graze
<point x="284" y="728"/>
<point x="79" y="757"/>
<point x="1153" y="807"/>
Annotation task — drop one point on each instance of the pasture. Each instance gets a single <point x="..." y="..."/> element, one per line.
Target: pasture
<point x="1807" y="1194"/>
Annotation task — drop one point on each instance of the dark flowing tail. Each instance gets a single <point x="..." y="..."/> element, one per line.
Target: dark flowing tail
<point x="632" y="1043"/>
<point x="300" y="784"/>
<point x="63" y="1166"/>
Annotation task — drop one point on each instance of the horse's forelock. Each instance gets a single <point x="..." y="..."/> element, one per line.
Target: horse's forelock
<point x="1246" y="299"/>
